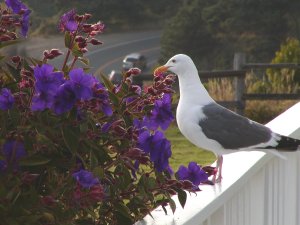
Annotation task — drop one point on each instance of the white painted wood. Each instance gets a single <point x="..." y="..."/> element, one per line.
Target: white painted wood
<point x="257" y="188"/>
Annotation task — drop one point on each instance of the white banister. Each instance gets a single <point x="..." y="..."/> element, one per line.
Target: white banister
<point x="257" y="188"/>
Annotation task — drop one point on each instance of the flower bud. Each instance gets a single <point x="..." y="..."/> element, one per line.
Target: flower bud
<point x="87" y="26"/>
<point x="161" y="86"/>
<point x="79" y="39"/>
<point x="152" y="91"/>
<point x="96" y="193"/>
<point x="134" y="153"/>
<point x="5" y="37"/>
<point x="120" y="131"/>
<point x="168" y="90"/>
<point x="5" y="17"/>
<point x="13" y="35"/>
<point x="210" y="170"/>
<point x="55" y="52"/>
<point x="16" y="59"/>
<point x="87" y="16"/>
<point x="93" y="33"/>
<point x="147" y="101"/>
<point x="136" y="89"/>
<point x="172" y="182"/>
<point x="82" y="44"/>
<point x="3" y="30"/>
<point x="187" y="184"/>
<point x="156" y="79"/>
<point x="48" y="201"/>
<point x="98" y="27"/>
<point x="169" y="81"/>
<point x="84" y="50"/>
<point x="95" y="41"/>
<point x="79" y="18"/>
<point x="22" y="11"/>
<point x="171" y="191"/>
<point x="133" y="71"/>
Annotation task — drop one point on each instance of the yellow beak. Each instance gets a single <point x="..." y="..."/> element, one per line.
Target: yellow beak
<point x="160" y="69"/>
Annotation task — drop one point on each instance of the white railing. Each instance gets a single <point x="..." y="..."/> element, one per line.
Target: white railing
<point x="257" y="188"/>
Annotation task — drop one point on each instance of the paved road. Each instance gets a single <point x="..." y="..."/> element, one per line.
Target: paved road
<point x="116" y="47"/>
<point x="108" y="56"/>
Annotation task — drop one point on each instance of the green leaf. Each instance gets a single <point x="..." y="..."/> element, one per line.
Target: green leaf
<point x="125" y="179"/>
<point x="99" y="171"/>
<point x="108" y="84"/>
<point x="14" y="72"/>
<point x="68" y="40"/>
<point x="165" y="210"/>
<point x="113" y="98"/>
<point x="83" y="127"/>
<point x="172" y="205"/>
<point x="34" y="161"/>
<point x="182" y="197"/>
<point x="71" y="137"/>
<point x="91" y="212"/>
<point x="76" y="51"/>
<point x="121" y="219"/>
<point x="123" y="214"/>
<point x="84" y="60"/>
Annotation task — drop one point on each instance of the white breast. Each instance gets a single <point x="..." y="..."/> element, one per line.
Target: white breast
<point x="188" y="118"/>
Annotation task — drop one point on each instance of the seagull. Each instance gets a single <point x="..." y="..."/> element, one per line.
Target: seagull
<point x="210" y="126"/>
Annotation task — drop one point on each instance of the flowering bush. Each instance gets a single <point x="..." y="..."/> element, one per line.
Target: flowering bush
<point x="74" y="150"/>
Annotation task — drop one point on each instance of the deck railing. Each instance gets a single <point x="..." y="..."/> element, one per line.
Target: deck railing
<point x="257" y="188"/>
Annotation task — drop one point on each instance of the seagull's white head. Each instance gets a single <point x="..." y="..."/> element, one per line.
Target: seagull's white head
<point x="178" y="64"/>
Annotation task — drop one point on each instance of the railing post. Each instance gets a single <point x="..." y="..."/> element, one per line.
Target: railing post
<point x="239" y="61"/>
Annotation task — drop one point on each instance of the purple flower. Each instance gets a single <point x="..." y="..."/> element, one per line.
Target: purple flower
<point x="41" y="101"/>
<point x="13" y="151"/>
<point x="64" y="99"/>
<point x="25" y="23"/>
<point x="193" y="173"/>
<point x="6" y="99"/>
<point x="157" y="146"/>
<point x="3" y="165"/>
<point x="46" y="86"/>
<point x="47" y="80"/>
<point x="81" y="84"/>
<point x="161" y="115"/>
<point x="106" y="126"/>
<point x="101" y="94"/>
<point x="67" y="21"/>
<point x="85" y="178"/>
<point x="17" y="6"/>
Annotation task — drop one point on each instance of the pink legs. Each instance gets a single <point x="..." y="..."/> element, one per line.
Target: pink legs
<point x="217" y="178"/>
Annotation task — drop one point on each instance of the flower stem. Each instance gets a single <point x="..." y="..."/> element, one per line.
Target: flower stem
<point x="73" y="62"/>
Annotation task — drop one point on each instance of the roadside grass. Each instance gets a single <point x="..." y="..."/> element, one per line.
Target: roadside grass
<point x="184" y="152"/>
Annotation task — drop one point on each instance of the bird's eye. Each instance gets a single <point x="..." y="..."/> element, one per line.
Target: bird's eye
<point x="173" y="61"/>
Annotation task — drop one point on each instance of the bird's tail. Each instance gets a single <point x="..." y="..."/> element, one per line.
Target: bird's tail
<point x="287" y="144"/>
<point x="284" y="144"/>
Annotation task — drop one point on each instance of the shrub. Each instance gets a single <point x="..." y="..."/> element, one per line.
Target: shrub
<point x="74" y="150"/>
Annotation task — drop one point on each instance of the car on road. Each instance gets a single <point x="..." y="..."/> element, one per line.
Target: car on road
<point x="134" y="60"/>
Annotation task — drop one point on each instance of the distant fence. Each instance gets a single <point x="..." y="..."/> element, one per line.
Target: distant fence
<point x="240" y="68"/>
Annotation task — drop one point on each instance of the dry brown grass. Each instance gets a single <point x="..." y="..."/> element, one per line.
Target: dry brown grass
<point x="260" y="111"/>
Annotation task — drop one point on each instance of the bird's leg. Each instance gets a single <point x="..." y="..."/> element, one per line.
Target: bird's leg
<point x="218" y="176"/>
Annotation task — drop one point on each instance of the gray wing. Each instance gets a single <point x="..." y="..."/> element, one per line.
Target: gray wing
<point x="231" y="130"/>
